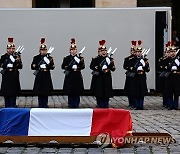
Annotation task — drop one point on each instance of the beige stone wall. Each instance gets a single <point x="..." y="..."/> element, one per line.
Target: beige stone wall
<point x="115" y="3"/>
<point x="15" y="3"/>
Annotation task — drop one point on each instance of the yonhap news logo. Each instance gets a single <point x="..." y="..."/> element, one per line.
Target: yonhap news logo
<point x="104" y="139"/>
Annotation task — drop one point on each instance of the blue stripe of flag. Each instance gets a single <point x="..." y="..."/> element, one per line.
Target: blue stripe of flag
<point x="14" y="121"/>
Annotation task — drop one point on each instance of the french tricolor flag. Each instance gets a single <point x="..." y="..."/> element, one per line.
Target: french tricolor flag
<point x="64" y="122"/>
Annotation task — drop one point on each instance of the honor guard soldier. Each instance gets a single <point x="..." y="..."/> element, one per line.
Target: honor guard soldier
<point x="42" y="64"/>
<point x="11" y="63"/>
<point x="129" y="86"/>
<point x="162" y="71"/>
<point x="140" y="65"/>
<point x="73" y="82"/>
<point x="172" y="88"/>
<point x="95" y="72"/>
<point x="103" y="87"/>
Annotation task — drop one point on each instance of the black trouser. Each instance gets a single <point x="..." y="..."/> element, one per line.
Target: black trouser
<point x="139" y="103"/>
<point x="43" y="101"/>
<point x="73" y="101"/>
<point x="97" y="101"/>
<point x="132" y="101"/>
<point x="103" y="102"/>
<point x="173" y="102"/>
<point x="165" y="101"/>
<point x="10" y="101"/>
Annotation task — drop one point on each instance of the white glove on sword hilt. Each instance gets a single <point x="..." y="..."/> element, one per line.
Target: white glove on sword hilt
<point x="139" y="68"/>
<point x="9" y="65"/>
<point x="174" y="68"/>
<point x="74" y="67"/>
<point x="43" y="66"/>
<point x="104" y="67"/>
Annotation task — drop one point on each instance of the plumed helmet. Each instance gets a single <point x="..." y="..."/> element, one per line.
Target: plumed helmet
<point x="73" y="44"/>
<point x="168" y="45"/>
<point x="139" y="47"/>
<point x="43" y="46"/>
<point x="133" y="47"/>
<point x="172" y="47"/>
<point x="102" y="45"/>
<point x="10" y="43"/>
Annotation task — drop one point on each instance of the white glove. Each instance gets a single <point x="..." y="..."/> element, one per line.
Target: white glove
<point x="142" y="62"/>
<point x="46" y="60"/>
<point x="108" y="60"/>
<point x="74" y="67"/>
<point x="77" y="59"/>
<point x="174" y="68"/>
<point x="43" y="66"/>
<point x="9" y="65"/>
<point x="139" y="68"/>
<point x="177" y="62"/>
<point x="104" y="67"/>
<point x="12" y="58"/>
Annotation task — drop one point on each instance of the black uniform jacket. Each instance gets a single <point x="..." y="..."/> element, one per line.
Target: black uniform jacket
<point x="162" y="72"/>
<point x="94" y="73"/>
<point x="139" y="87"/>
<point x="172" y="80"/>
<point x="102" y="86"/>
<point x="10" y="85"/>
<point x="43" y="82"/>
<point x="73" y="82"/>
<point x="130" y="80"/>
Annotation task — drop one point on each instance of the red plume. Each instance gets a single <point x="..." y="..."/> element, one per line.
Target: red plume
<point x="10" y="39"/>
<point x="100" y="42"/>
<point x="73" y="41"/>
<point x="103" y="42"/>
<point x="169" y="43"/>
<point x="42" y="40"/>
<point x="139" y="42"/>
<point x="133" y="43"/>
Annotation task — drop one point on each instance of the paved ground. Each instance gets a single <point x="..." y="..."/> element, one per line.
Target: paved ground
<point x="154" y="118"/>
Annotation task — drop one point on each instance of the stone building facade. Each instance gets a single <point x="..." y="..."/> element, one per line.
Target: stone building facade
<point x="97" y="4"/>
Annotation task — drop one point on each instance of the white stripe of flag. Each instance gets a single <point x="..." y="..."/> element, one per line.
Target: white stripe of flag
<point x="60" y="122"/>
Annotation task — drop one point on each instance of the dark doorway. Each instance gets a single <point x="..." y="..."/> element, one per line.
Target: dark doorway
<point x="63" y="3"/>
<point x="160" y="29"/>
<point x="82" y="3"/>
<point x="47" y="3"/>
<point x="176" y="16"/>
